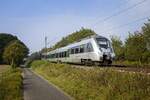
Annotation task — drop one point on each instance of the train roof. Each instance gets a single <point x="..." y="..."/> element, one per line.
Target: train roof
<point x="87" y="39"/>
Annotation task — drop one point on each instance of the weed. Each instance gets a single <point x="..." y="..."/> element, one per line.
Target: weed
<point x="95" y="84"/>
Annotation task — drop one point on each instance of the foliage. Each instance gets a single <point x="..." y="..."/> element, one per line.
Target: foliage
<point x="32" y="57"/>
<point x="118" y="47"/>
<point x="5" y="39"/>
<point x="146" y="33"/>
<point x="11" y="85"/>
<point x="136" y="47"/>
<point x="76" y="36"/>
<point x="15" y="52"/>
<point x="4" y="68"/>
<point x="95" y="84"/>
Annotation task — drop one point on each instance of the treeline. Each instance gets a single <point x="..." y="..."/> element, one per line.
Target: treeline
<point x="12" y="50"/>
<point x="82" y="33"/>
<point x="74" y="37"/>
<point x="136" y="47"/>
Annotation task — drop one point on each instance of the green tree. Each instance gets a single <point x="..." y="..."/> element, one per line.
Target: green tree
<point x="5" y="39"/>
<point x="32" y="57"/>
<point x="146" y="35"/>
<point x="138" y="45"/>
<point x="135" y="47"/>
<point x="76" y="36"/>
<point x="118" y="47"/>
<point x="14" y="53"/>
<point x="146" y="32"/>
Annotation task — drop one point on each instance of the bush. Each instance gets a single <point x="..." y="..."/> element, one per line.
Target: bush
<point x="11" y="85"/>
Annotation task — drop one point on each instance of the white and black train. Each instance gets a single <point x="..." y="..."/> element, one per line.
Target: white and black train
<point x="91" y="50"/>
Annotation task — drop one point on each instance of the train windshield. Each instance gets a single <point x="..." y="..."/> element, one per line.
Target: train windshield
<point x="103" y="43"/>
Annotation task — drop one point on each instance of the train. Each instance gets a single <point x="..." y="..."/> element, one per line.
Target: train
<point x="92" y="50"/>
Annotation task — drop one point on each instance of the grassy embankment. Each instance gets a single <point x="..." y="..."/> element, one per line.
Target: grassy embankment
<point x="132" y="64"/>
<point x="95" y="84"/>
<point x="10" y="84"/>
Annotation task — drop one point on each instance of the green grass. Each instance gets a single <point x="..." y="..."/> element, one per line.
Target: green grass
<point x="11" y="84"/>
<point x="4" y="68"/>
<point x="95" y="84"/>
<point x="133" y="64"/>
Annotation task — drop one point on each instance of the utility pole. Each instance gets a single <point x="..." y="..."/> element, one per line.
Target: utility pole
<point x="46" y="47"/>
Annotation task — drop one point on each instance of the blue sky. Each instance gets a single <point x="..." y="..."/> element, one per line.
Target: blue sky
<point x="32" y="20"/>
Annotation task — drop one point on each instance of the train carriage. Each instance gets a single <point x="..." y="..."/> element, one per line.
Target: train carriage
<point x="93" y="49"/>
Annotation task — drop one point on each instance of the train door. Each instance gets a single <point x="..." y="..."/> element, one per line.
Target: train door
<point x="71" y="55"/>
<point x="77" y="55"/>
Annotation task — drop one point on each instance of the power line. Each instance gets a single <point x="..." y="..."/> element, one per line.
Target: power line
<point x="122" y="4"/>
<point x="96" y="18"/>
<point x="118" y="27"/>
<point x="120" y="12"/>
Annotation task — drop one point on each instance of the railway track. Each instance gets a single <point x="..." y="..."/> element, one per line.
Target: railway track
<point x="120" y="68"/>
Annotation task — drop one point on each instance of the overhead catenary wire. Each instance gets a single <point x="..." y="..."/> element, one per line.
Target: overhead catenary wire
<point x="126" y="24"/>
<point x="119" y="12"/>
<point x="122" y="4"/>
<point x="96" y="18"/>
<point x="116" y="14"/>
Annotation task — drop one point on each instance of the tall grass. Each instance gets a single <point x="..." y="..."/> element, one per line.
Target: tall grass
<point x="95" y="84"/>
<point x="133" y="64"/>
<point x="4" y="68"/>
<point x="11" y="85"/>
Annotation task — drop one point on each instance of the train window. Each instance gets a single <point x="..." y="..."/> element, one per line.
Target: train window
<point x="69" y="51"/>
<point x="65" y="54"/>
<point x="76" y="50"/>
<point x="61" y="54"/>
<point x="103" y="42"/>
<point x="54" y="56"/>
<point x="72" y="51"/>
<point x="57" y="55"/>
<point x="89" y="47"/>
<point x="49" y="56"/>
<point x="81" y="48"/>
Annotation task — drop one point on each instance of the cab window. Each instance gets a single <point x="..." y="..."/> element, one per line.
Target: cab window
<point x="89" y="47"/>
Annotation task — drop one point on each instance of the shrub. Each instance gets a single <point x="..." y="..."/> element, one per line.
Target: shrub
<point x="11" y="85"/>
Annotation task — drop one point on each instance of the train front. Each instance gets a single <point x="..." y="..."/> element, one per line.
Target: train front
<point x="106" y="49"/>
